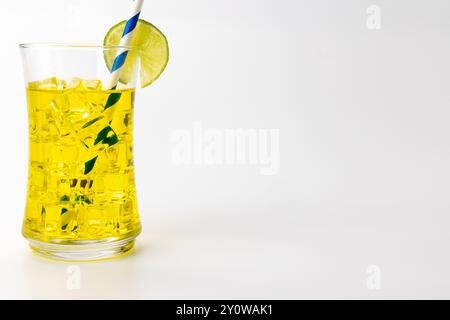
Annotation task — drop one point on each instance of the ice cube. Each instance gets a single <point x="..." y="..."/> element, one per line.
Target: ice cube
<point x="48" y="84"/>
<point x="75" y="83"/>
<point x="91" y="84"/>
<point x="56" y="114"/>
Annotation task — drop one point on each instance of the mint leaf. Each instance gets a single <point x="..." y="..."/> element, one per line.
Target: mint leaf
<point x="112" y="100"/>
<point x="104" y="139"/>
<point x="102" y="135"/>
<point x="110" y="141"/>
<point x="89" y="165"/>
<point x="87" y="124"/>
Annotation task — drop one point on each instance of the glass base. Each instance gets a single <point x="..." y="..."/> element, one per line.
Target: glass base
<point x="82" y="250"/>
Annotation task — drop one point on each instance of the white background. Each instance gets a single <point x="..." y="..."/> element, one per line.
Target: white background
<point x="364" y="173"/>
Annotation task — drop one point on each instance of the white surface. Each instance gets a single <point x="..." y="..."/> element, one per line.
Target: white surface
<point x="364" y="151"/>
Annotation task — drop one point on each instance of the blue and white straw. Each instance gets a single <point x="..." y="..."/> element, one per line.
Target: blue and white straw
<point x="125" y="42"/>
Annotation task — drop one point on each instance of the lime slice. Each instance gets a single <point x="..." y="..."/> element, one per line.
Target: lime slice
<point x="152" y="47"/>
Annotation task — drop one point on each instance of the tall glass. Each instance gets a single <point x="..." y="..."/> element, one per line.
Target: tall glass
<point x="81" y="199"/>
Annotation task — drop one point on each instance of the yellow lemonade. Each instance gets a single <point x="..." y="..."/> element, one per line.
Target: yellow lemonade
<point x="81" y="177"/>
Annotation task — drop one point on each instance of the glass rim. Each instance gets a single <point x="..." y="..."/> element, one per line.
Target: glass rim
<point x="56" y="45"/>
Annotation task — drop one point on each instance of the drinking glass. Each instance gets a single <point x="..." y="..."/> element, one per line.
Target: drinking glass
<point x="81" y="197"/>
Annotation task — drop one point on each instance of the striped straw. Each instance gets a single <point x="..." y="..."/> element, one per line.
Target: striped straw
<point x="124" y="42"/>
<point x="119" y="60"/>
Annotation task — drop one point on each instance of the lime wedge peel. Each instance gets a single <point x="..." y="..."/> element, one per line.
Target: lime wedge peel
<point x="152" y="47"/>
